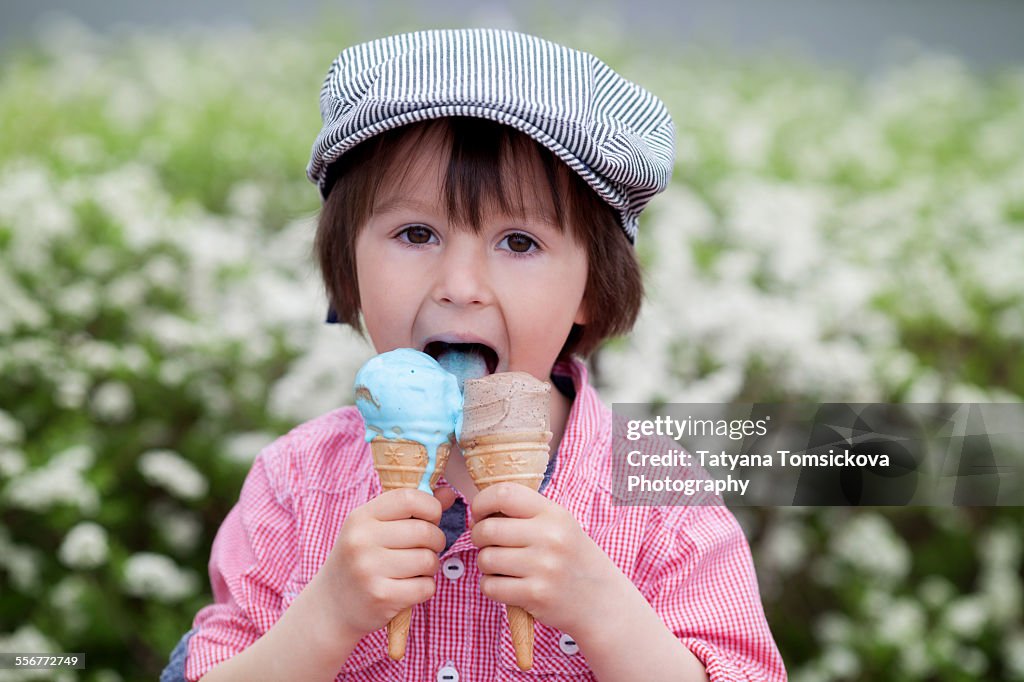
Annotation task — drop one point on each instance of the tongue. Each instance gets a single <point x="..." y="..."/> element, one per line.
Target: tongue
<point x="463" y="363"/>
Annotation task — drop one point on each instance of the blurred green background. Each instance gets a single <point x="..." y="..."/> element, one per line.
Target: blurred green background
<point x="828" y="235"/>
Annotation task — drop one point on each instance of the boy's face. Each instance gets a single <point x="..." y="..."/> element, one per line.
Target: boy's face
<point x="515" y="287"/>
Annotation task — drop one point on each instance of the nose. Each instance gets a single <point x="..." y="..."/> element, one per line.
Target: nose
<point x="463" y="277"/>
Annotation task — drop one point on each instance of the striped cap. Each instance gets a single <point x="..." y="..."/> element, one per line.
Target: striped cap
<point x="616" y="135"/>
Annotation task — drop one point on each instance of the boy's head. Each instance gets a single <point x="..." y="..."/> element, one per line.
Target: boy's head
<point x="492" y="127"/>
<point x="485" y="172"/>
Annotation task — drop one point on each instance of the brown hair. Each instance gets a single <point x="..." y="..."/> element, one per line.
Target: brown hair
<point x="480" y="175"/>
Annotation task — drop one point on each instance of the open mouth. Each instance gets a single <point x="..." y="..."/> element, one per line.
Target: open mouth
<point x="470" y="354"/>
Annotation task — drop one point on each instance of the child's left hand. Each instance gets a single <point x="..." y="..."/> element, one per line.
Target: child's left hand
<point x="540" y="559"/>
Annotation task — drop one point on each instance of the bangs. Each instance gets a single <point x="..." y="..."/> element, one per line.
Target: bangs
<point x="484" y="170"/>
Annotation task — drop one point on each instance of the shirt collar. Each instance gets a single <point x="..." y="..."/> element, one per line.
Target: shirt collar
<point x="583" y="429"/>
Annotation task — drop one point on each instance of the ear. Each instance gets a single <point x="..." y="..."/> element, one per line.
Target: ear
<point x="581" y="315"/>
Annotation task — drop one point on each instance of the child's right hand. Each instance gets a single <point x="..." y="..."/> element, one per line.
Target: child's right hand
<point x="384" y="560"/>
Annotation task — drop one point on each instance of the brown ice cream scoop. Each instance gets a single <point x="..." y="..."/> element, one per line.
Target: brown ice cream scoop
<point x="508" y="402"/>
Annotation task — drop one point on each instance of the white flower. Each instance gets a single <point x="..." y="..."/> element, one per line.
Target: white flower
<point x="1013" y="653"/>
<point x="100" y="261"/>
<point x="66" y="596"/>
<point x="80" y="301"/>
<point x="841" y="662"/>
<point x="23" y="566"/>
<point x="784" y="546"/>
<point x="1001" y="548"/>
<point x="172" y="472"/>
<point x="12" y="462"/>
<point x="181" y="529"/>
<point x="914" y="659"/>
<point x="1003" y="594"/>
<point x="902" y="623"/>
<point x="247" y="199"/>
<point x="85" y="547"/>
<point x="97" y="356"/>
<point x="27" y="638"/>
<point x="972" y="661"/>
<point x="134" y="358"/>
<point x="162" y="271"/>
<point x="11" y="430"/>
<point x="18" y="308"/>
<point x="888" y="558"/>
<point x="173" y="371"/>
<point x="243" y="447"/>
<point x="21" y="563"/>
<point x="935" y="591"/>
<point x="60" y="481"/>
<point x="83" y="150"/>
<point x="834" y="628"/>
<point x="113" y="402"/>
<point x="128" y="291"/>
<point x="215" y="396"/>
<point x="72" y="389"/>
<point x="966" y="616"/>
<point x="172" y="332"/>
<point x="156" y="576"/>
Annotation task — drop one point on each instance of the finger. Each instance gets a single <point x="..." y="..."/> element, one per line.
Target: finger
<point x="511" y="591"/>
<point x="510" y="562"/>
<point x="510" y="499"/>
<point x="407" y="503"/>
<point x="409" y="591"/>
<point x="446" y="496"/>
<point x="409" y="534"/>
<point x="502" y="532"/>
<point x="411" y="563"/>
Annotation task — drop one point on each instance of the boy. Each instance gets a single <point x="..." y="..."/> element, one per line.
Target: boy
<point x="480" y="188"/>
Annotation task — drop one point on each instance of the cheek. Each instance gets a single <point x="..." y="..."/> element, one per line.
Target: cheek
<point x="377" y="297"/>
<point x="546" y="306"/>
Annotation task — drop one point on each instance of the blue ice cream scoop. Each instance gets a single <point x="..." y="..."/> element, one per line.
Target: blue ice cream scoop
<point x="406" y="394"/>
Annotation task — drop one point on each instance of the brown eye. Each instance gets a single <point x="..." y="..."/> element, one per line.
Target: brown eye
<point x="519" y="243"/>
<point x="417" y="234"/>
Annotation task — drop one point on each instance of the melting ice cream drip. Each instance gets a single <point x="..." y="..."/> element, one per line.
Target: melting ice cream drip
<point x="406" y="394"/>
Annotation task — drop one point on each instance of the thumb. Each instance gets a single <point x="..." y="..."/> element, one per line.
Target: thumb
<point x="446" y="496"/>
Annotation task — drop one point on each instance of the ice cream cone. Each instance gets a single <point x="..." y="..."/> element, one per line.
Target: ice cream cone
<point x="401" y="464"/>
<point x="504" y="438"/>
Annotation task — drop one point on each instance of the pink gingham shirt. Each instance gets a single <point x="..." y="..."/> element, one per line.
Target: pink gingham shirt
<point x="692" y="563"/>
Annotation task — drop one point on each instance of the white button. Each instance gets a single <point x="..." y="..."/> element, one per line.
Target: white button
<point x="453" y="568"/>
<point x="448" y="674"/>
<point x="568" y="645"/>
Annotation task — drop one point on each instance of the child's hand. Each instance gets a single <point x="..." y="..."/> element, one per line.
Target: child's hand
<point x="384" y="559"/>
<point x="540" y="559"/>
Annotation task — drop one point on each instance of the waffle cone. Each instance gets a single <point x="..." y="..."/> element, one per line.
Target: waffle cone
<point x="400" y="464"/>
<point x="501" y="457"/>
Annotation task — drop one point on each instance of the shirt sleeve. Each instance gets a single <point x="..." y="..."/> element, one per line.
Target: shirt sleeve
<point x="253" y="556"/>
<point x="705" y="589"/>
